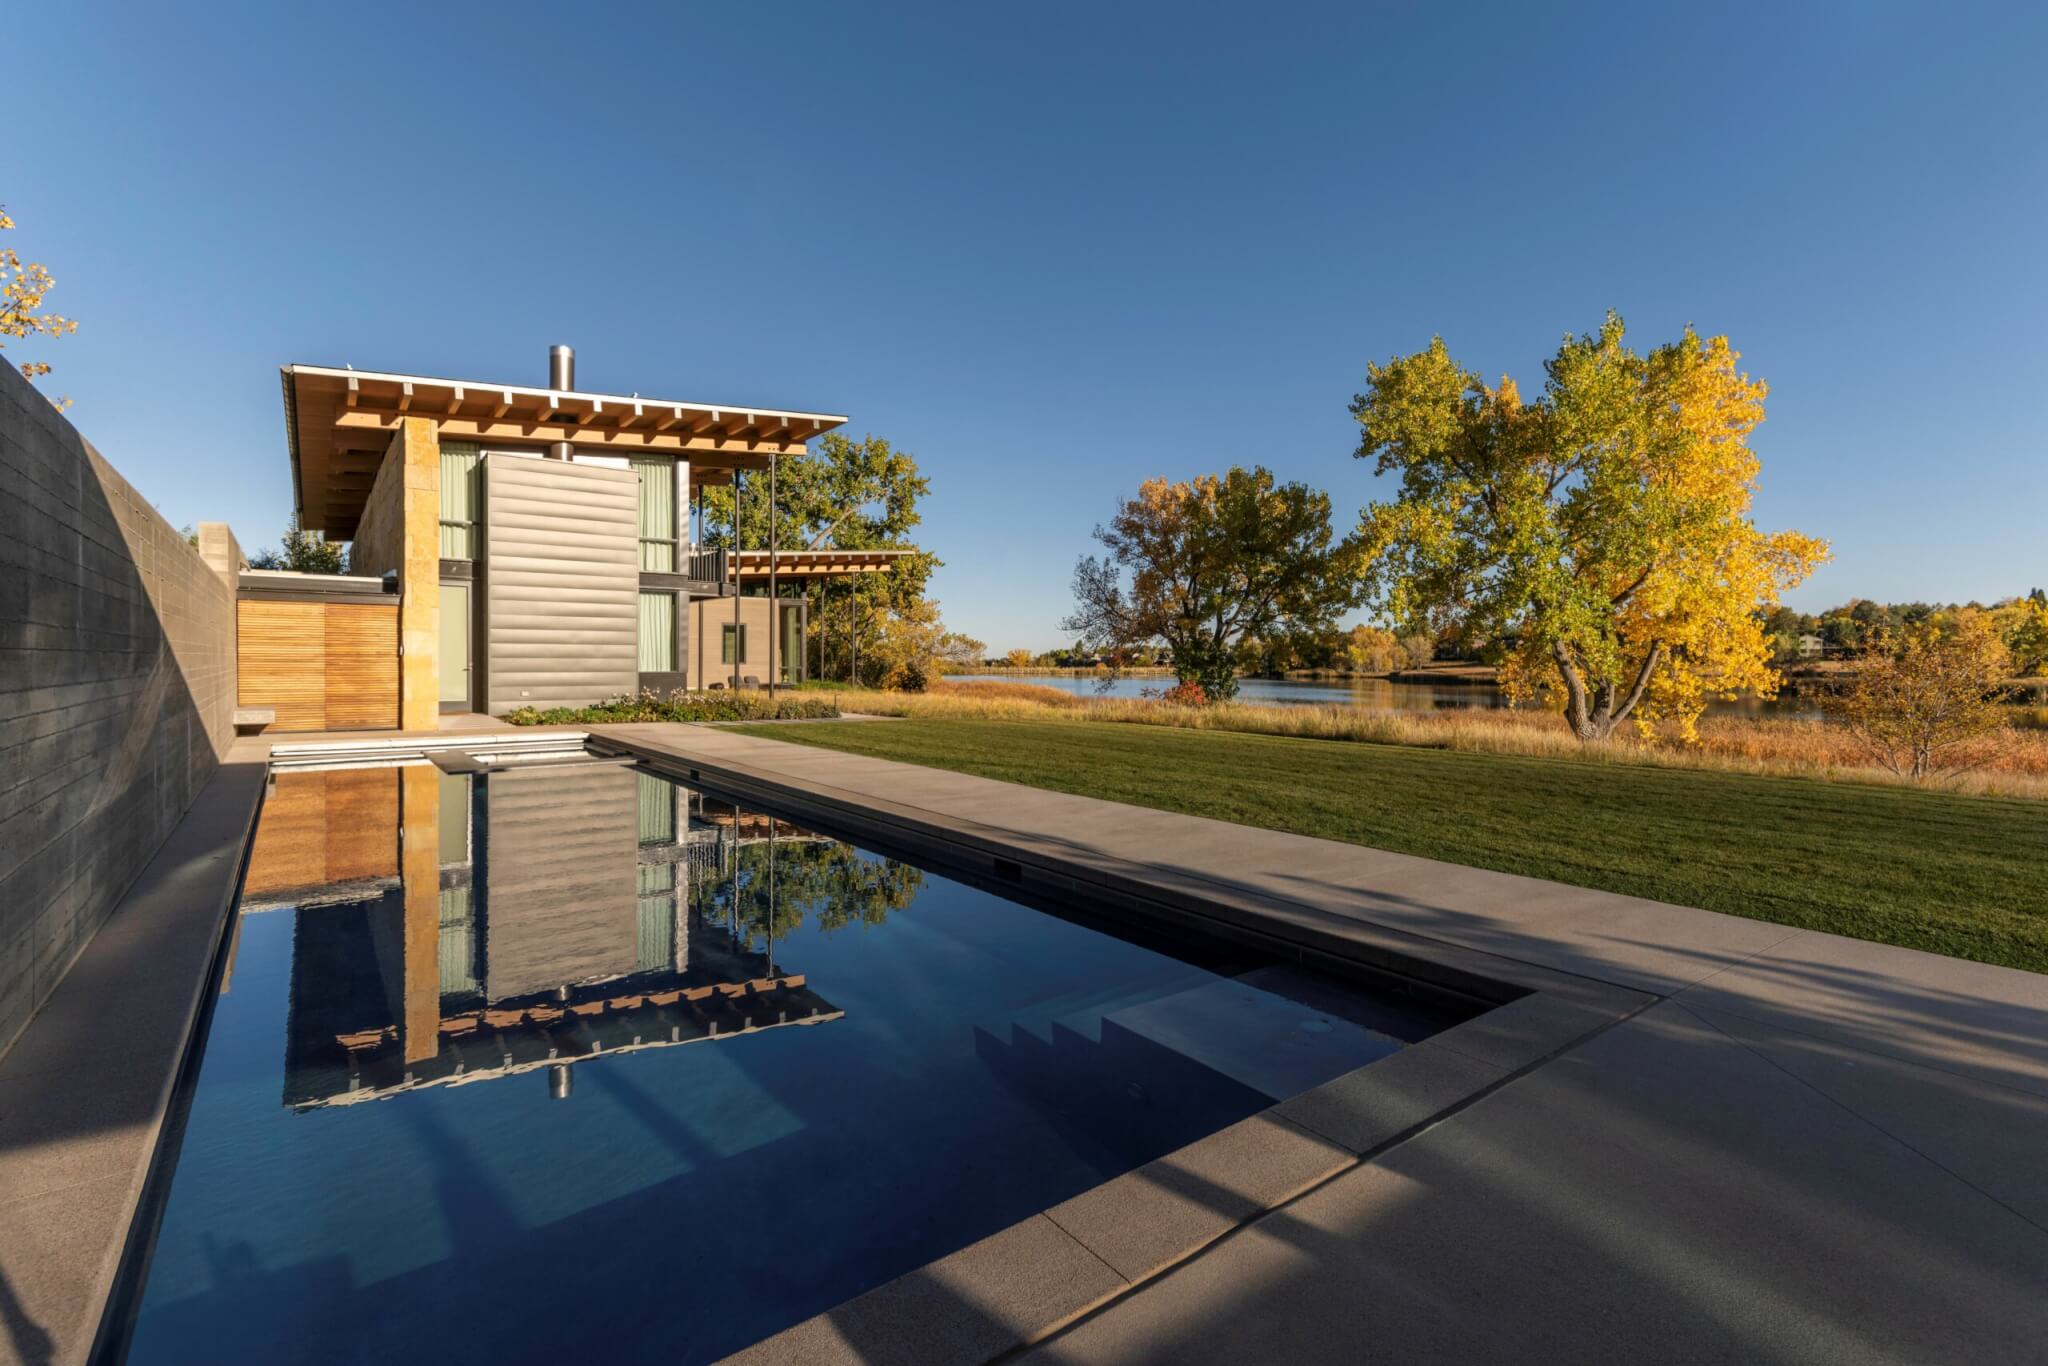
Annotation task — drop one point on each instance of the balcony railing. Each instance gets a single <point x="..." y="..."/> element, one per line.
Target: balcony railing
<point x="708" y="565"/>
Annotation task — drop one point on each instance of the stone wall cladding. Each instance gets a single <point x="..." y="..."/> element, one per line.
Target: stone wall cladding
<point x="117" y="691"/>
<point x="379" y="546"/>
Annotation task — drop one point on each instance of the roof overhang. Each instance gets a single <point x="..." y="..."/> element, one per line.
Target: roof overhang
<point x="339" y="423"/>
<point x="819" y="564"/>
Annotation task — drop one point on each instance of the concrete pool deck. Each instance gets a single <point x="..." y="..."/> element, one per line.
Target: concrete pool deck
<point x="1774" y="1145"/>
<point x="1804" y="1148"/>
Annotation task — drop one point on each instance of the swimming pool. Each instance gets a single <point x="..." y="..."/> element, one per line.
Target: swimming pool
<point x="569" y="1060"/>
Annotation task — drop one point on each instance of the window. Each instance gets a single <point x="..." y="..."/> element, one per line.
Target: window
<point x="461" y="487"/>
<point x="657" y="633"/>
<point x="657" y="818"/>
<point x="657" y="514"/>
<point x="734" y="635"/>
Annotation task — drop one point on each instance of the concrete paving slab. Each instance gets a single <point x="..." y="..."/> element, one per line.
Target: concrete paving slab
<point x="55" y="1259"/>
<point x="1658" y="1194"/>
<point x="1985" y="1022"/>
<point x="1371" y="1107"/>
<point x="1001" y="1292"/>
<point x="1990" y="1136"/>
<point x="1522" y="1032"/>
<point x="82" y="1101"/>
<point x="1169" y="1209"/>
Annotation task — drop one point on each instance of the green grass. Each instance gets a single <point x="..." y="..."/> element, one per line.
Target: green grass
<point x="1950" y="874"/>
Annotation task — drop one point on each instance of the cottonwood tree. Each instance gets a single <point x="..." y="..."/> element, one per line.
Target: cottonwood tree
<point x="1214" y="562"/>
<point x="848" y="495"/>
<point x="22" y="288"/>
<point x="1600" y="535"/>
<point x="1918" y="700"/>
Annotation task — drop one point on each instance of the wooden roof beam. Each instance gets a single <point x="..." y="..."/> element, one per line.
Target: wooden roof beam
<point x="524" y="429"/>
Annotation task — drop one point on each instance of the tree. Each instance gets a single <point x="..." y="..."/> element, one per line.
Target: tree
<point x="1600" y="535"/>
<point x="2026" y="637"/>
<point x="1020" y="658"/>
<point x="849" y="495"/>
<point x="912" y="647"/>
<point x="303" y="552"/>
<point x="1918" y="698"/>
<point x="1374" y="650"/>
<point x="958" y="650"/>
<point x="1214" y="562"/>
<point x="22" y="288"/>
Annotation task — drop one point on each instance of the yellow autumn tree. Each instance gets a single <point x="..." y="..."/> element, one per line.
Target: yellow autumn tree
<point x="1600" y="535"/>
<point x="22" y="288"/>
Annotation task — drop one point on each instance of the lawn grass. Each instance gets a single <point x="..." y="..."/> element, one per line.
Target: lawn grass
<point x="1959" y="875"/>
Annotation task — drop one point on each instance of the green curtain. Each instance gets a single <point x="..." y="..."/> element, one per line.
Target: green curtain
<point x="458" y="943"/>
<point x="657" y="514"/>
<point x="657" y="815"/>
<point x="657" y="633"/>
<point x="461" y="496"/>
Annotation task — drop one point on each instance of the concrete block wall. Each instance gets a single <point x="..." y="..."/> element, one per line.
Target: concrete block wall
<point x="117" y="688"/>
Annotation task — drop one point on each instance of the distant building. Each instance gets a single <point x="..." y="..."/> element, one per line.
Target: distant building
<point x="1811" y="645"/>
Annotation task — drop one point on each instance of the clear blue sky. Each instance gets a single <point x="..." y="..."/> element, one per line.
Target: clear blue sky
<point x="1054" y="249"/>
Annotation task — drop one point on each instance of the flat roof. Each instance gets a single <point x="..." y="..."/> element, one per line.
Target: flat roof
<point x="339" y="422"/>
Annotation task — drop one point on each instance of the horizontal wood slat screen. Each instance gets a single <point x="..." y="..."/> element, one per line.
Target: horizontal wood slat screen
<point x="320" y="666"/>
<point x="362" y="667"/>
<point x="321" y="828"/>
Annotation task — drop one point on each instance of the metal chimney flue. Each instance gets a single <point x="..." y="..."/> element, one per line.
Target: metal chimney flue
<point x="561" y="377"/>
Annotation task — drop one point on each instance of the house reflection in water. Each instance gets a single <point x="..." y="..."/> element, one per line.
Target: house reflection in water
<point x="455" y="927"/>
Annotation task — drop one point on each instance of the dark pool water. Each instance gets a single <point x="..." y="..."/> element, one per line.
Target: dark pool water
<point x="571" y="1063"/>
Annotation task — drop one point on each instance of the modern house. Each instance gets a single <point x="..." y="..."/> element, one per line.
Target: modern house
<point x="519" y="546"/>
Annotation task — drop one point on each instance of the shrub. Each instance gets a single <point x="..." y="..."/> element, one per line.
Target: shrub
<point x="682" y="707"/>
<point x="1916" y="704"/>
<point x="1188" y="694"/>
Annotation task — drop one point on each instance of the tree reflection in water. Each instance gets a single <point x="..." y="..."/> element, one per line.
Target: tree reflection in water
<point x="770" y="878"/>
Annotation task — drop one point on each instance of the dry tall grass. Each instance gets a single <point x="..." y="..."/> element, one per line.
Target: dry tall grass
<point x="2014" y="764"/>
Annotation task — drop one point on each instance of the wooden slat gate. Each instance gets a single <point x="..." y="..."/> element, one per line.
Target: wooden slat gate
<point x="320" y="665"/>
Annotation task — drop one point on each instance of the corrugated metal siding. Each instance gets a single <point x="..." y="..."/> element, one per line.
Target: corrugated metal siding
<point x="561" y="897"/>
<point x="562" y="582"/>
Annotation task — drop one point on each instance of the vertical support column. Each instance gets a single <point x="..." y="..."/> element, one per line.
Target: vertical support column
<point x="419" y="847"/>
<point x="739" y="632"/>
<point x="417" y="444"/>
<point x="774" y="602"/>
<point x="686" y="544"/>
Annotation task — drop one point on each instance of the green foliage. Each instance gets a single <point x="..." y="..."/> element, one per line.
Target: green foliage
<point x="1222" y="568"/>
<point x="847" y="495"/>
<point x="303" y="552"/>
<point x="681" y="706"/>
<point x="1601" y="533"/>
<point x="831" y="884"/>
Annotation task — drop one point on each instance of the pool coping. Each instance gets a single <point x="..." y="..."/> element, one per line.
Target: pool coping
<point x="78" y="1163"/>
<point x="1026" y="1282"/>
